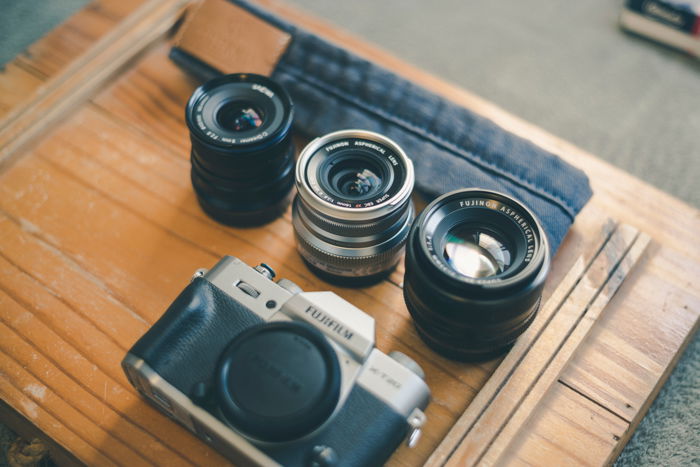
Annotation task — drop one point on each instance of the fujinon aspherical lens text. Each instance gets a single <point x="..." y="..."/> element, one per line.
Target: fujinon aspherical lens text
<point x="242" y="153"/>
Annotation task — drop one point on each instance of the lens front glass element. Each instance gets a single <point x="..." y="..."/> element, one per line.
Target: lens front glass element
<point x="355" y="178"/>
<point x="239" y="116"/>
<point x="475" y="253"/>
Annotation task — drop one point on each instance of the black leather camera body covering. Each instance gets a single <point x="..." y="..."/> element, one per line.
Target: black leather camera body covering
<point x="183" y="346"/>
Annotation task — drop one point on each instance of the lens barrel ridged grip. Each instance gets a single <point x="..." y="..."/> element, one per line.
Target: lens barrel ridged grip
<point x="356" y="229"/>
<point x="348" y="267"/>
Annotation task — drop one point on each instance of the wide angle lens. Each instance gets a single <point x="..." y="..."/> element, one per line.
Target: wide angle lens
<point x="242" y="153"/>
<point x="476" y="263"/>
<point x="353" y="210"/>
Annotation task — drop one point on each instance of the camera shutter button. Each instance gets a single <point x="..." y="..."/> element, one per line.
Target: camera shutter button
<point x="265" y="270"/>
<point x="289" y="286"/>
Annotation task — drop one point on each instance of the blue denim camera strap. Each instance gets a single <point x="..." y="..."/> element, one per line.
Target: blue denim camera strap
<point x="451" y="147"/>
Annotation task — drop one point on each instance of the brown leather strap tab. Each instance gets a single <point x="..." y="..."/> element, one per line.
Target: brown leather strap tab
<point x="230" y="39"/>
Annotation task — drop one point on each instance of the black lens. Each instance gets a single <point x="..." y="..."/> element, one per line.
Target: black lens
<point x="242" y="153"/>
<point x="476" y="262"/>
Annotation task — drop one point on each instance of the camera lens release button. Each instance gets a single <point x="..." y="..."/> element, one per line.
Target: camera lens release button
<point x="278" y="381"/>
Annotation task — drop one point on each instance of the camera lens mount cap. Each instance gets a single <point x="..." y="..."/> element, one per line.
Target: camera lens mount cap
<point x="278" y="381"/>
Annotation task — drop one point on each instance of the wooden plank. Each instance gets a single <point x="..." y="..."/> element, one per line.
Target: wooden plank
<point x="60" y="46"/>
<point x="117" y="10"/>
<point x="71" y="354"/>
<point x="16" y="84"/>
<point x="533" y="399"/>
<point x="633" y="351"/>
<point x="572" y="431"/>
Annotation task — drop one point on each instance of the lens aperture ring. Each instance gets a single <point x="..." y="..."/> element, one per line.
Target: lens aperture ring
<point x="473" y="331"/>
<point x="350" y="266"/>
<point x="266" y="180"/>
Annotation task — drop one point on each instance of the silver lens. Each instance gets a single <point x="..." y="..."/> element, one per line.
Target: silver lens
<point x="353" y="210"/>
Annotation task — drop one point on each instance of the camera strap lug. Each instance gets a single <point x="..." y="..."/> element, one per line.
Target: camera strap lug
<point x="198" y="273"/>
<point x="415" y="422"/>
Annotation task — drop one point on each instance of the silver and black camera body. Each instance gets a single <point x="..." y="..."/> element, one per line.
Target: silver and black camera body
<point x="268" y="374"/>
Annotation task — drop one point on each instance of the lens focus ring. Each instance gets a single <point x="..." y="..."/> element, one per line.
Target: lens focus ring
<point x="351" y="266"/>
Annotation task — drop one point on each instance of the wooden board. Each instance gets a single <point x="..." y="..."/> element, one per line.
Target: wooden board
<point x="99" y="230"/>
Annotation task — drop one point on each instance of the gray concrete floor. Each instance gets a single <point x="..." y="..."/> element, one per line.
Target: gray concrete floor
<point x="562" y="65"/>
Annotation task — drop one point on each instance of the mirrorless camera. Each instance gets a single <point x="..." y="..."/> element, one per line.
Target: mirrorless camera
<point x="268" y="374"/>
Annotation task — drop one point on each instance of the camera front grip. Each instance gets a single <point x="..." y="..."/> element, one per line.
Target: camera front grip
<point x="184" y="344"/>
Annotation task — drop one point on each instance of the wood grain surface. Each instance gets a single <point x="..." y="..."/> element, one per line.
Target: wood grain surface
<point x="99" y="231"/>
